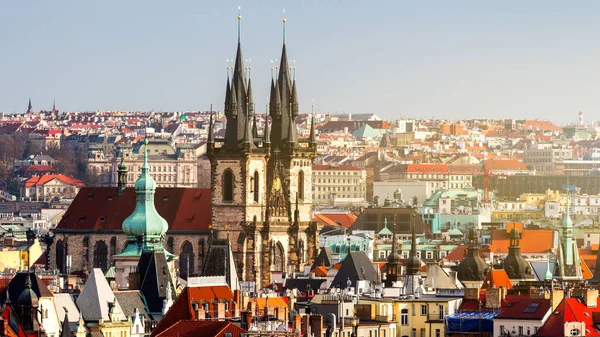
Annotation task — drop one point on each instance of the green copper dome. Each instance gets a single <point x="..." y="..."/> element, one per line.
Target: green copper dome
<point x="145" y="222"/>
<point x="122" y="165"/>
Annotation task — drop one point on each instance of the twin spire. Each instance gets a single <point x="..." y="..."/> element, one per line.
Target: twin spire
<point x="241" y="132"/>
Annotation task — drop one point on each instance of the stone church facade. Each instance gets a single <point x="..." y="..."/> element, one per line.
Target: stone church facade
<point x="261" y="184"/>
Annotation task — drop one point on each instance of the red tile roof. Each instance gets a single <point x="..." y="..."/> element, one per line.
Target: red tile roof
<point x="504" y="165"/>
<point x="571" y="310"/>
<point x="182" y="308"/>
<point x="192" y="328"/>
<point x="519" y="310"/>
<point x="427" y="168"/>
<point x="46" y="178"/>
<point x="102" y="208"/>
<point x="345" y="219"/>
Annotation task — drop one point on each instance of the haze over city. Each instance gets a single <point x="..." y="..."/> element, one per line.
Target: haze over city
<point x="461" y="59"/>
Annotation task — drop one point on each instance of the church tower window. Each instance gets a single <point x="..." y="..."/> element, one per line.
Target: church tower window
<point x="186" y="260"/>
<point x="301" y="184"/>
<point x="227" y="186"/>
<point x="100" y="255"/>
<point x="256" y="186"/>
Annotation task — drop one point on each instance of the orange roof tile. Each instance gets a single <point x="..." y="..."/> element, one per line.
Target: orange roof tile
<point x="320" y="271"/>
<point x="43" y="180"/>
<point x="497" y="278"/>
<point x="261" y="302"/>
<point x="532" y="241"/>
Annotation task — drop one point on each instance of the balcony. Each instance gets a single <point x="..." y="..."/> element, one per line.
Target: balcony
<point x="385" y="318"/>
<point x="436" y="317"/>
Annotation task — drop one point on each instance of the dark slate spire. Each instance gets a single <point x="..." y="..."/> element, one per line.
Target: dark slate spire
<point x="29" y="107"/>
<point x="313" y="136"/>
<point x="254" y="127"/>
<point x="292" y="137"/>
<point x="250" y="98"/>
<point x="248" y="139"/>
<point x="514" y="264"/>
<point x="413" y="265"/>
<point x="65" y="330"/>
<point x="267" y="133"/>
<point x="472" y="267"/>
<point x="294" y="100"/>
<point x="275" y="100"/>
<point x="211" y="136"/>
<point x="393" y="267"/>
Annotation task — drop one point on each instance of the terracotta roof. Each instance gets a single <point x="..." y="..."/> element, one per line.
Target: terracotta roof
<point x="345" y="219"/>
<point x="261" y="302"/>
<point x="335" y="168"/>
<point x="571" y="310"/>
<point x="504" y="165"/>
<point x="46" y="178"/>
<point x="192" y="328"/>
<point x="532" y="241"/>
<point x="102" y="208"/>
<point x="497" y="278"/>
<point x="182" y="307"/>
<point x="320" y="271"/>
<point x="458" y="254"/>
<point x="427" y="168"/>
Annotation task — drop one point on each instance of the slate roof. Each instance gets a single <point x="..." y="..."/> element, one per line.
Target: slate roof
<point x="130" y="300"/>
<point x="65" y="300"/>
<point x="102" y="208"/>
<point x="95" y="296"/>
<point x="356" y="266"/>
<point x="154" y="279"/>
<point x="17" y="285"/>
<point x="325" y="258"/>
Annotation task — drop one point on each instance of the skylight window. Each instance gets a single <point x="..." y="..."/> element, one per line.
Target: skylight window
<point x="532" y="307"/>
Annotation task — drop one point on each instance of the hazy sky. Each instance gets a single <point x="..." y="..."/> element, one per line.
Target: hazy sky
<point x="443" y="59"/>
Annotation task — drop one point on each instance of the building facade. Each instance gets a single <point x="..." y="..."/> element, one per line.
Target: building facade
<point x="338" y="181"/>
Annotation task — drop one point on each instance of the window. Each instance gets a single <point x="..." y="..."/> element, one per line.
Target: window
<point x="429" y="255"/>
<point x="101" y="255"/>
<point x="520" y="331"/>
<point x="423" y="309"/>
<point x="501" y="329"/>
<point x="256" y="186"/>
<point x="404" y="317"/>
<point x="301" y="184"/>
<point x="227" y="186"/>
<point x="186" y="260"/>
<point x="575" y="332"/>
<point x="438" y="333"/>
<point x="440" y="312"/>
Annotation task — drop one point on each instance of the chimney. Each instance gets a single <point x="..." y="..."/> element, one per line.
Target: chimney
<point x="246" y="319"/>
<point x="298" y="322"/>
<point x="221" y="311"/>
<point x="316" y="324"/>
<point x="591" y="298"/>
<point x="472" y="293"/>
<point x="493" y="298"/>
<point x="556" y="297"/>
<point x="235" y="309"/>
<point x="134" y="280"/>
<point x="306" y="330"/>
<point x="252" y="307"/>
<point x="237" y="296"/>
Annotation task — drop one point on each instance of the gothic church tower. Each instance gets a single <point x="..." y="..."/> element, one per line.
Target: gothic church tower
<point x="261" y="184"/>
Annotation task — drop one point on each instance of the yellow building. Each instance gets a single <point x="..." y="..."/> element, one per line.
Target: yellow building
<point x="517" y="215"/>
<point x="14" y="255"/>
<point x="422" y="316"/>
<point x="538" y="199"/>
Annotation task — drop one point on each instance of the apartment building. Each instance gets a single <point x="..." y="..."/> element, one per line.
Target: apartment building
<point x="331" y="182"/>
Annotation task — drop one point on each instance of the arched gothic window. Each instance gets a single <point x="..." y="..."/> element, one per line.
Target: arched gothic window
<point x="101" y="255"/>
<point x="227" y="186"/>
<point x="61" y="256"/>
<point x="301" y="184"/>
<point x="186" y="260"/>
<point x="256" y="186"/>
<point x="278" y="256"/>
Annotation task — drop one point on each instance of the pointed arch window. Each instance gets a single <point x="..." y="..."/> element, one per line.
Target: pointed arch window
<point x="256" y="186"/>
<point x="278" y="255"/>
<point x="301" y="184"/>
<point x="186" y="260"/>
<point x="101" y="255"/>
<point x="227" y="186"/>
<point x="61" y="256"/>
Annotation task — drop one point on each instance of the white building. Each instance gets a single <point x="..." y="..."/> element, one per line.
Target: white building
<point x="331" y="182"/>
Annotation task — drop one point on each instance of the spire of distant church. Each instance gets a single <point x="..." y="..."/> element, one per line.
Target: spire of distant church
<point x="313" y="137"/>
<point x="29" y="107"/>
<point x="211" y="139"/>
